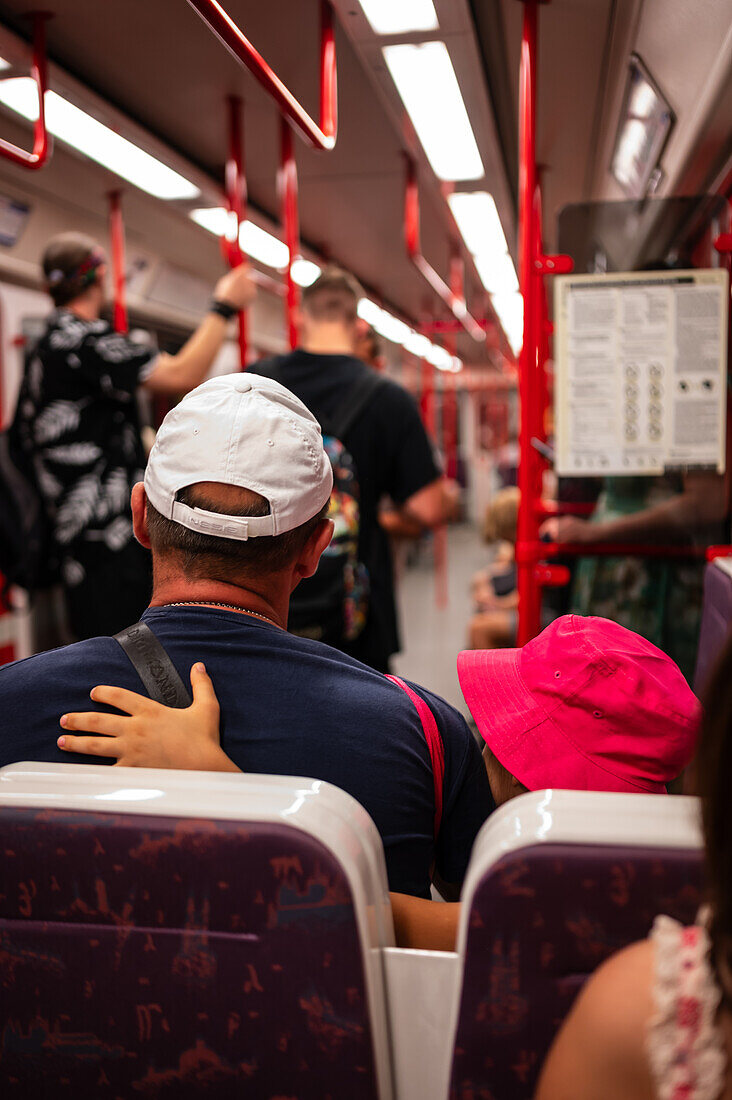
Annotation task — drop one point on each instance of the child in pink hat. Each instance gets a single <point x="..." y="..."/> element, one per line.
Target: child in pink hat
<point x="587" y="705"/>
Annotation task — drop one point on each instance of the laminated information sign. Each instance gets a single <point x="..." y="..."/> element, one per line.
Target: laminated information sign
<point x="640" y="372"/>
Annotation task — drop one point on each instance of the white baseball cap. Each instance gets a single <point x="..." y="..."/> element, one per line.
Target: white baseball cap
<point x="245" y="430"/>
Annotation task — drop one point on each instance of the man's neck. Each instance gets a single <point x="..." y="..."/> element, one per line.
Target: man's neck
<point x="85" y="308"/>
<point x="184" y="590"/>
<point x="328" y="341"/>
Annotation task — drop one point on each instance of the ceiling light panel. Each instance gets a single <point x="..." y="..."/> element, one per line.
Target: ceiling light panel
<point x="417" y="344"/>
<point x="263" y="246"/>
<point x="478" y="221"/>
<point x="391" y="328"/>
<point x="426" y="81"/>
<point x="304" y="272"/>
<point x="400" y="16"/>
<point x="480" y="226"/>
<point x="95" y="140"/>
<point x="497" y="273"/>
<point x="510" y="311"/>
<point x="213" y="218"/>
<point x="255" y="242"/>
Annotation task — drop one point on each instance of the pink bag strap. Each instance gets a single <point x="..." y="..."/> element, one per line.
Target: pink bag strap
<point x="434" y="744"/>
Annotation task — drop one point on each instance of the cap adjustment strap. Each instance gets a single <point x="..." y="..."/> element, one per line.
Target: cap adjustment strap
<point x="222" y="526"/>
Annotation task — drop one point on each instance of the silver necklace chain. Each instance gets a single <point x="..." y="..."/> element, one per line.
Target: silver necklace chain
<point x="228" y="606"/>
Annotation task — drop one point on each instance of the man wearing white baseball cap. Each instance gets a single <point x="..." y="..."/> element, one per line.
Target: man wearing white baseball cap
<point x="233" y="508"/>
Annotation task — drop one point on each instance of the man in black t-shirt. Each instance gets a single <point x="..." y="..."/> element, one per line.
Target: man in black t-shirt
<point x="387" y="441"/>
<point x="77" y="420"/>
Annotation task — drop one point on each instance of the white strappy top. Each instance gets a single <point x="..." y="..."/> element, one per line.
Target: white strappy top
<point x="687" y="1054"/>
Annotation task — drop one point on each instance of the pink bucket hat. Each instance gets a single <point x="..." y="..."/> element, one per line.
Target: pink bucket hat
<point x="587" y="705"/>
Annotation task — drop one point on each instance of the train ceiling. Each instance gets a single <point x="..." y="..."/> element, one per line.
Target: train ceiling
<point x="156" y="62"/>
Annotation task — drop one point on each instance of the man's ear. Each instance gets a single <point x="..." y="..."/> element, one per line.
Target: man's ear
<point x="139" y="514"/>
<point x="318" y="542"/>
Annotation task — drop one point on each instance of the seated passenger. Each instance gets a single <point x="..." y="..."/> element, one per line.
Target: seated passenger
<point x="233" y="507"/>
<point x="655" y="1020"/>
<point x="494" y="589"/>
<point x="587" y="705"/>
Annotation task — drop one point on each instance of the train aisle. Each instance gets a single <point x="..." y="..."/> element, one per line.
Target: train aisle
<point x="433" y="636"/>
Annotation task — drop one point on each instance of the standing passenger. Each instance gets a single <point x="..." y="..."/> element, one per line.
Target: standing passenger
<point x="657" y="598"/>
<point x="78" y="418"/>
<point x="390" y="449"/>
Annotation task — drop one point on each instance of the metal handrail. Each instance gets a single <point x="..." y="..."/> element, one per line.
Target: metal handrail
<point x="41" y="140"/>
<point x="534" y="552"/>
<point x="321" y="136"/>
<point x="455" y="303"/>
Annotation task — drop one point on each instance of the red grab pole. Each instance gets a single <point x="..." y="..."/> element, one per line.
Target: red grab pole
<point x="119" y="275"/>
<point x="290" y="223"/>
<point x="454" y="302"/>
<point x="533" y="391"/>
<point x="236" y="200"/>
<point x="529" y="473"/>
<point x="321" y="136"/>
<point x="41" y="141"/>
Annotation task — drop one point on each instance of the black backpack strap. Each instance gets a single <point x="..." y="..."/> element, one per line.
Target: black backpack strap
<point x="353" y="405"/>
<point x="153" y="666"/>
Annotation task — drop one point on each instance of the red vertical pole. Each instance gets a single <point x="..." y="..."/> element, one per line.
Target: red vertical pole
<point x="288" y="199"/>
<point x="236" y="199"/>
<point x="541" y="318"/>
<point x="529" y="617"/>
<point x="450" y="418"/>
<point x="119" y="277"/>
<point x="427" y="395"/>
<point x="328" y="71"/>
<point x="439" y="534"/>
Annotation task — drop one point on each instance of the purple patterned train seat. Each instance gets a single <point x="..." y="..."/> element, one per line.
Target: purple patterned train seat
<point x="183" y="934"/>
<point x="716" y="618"/>
<point x="558" y="881"/>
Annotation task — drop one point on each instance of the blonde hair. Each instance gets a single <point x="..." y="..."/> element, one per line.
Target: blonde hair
<point x="501" y="516"/>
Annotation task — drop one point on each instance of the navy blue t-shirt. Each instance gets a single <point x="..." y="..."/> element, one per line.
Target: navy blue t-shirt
<point x="289" y="706"/>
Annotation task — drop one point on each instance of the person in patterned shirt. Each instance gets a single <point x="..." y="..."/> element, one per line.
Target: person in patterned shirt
<point x="78" y="419"/>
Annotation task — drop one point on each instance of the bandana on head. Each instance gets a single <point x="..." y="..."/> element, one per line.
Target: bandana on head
<point x="79" y="278"/>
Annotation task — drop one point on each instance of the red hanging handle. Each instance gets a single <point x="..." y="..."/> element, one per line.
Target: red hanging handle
<point x="290" y="225"/>
<point x="236" y="199"/>
<point x="321" y="136"/>
<point x="119" y="273"/>
<point x="454" y="302"/>
<point x="41" y="141"/>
